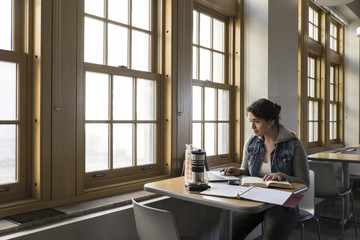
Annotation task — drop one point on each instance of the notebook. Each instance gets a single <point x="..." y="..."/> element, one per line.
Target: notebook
<point x="217" y="176"/>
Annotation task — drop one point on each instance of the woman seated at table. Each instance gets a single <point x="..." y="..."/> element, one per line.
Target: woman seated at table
<point x="272" y="153"/>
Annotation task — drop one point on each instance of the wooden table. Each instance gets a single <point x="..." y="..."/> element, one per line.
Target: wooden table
<point x="175" y="187"/>
<point x="344" y="159"/>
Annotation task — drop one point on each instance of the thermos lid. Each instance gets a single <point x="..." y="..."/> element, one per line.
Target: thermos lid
<point x="198" y="152"/>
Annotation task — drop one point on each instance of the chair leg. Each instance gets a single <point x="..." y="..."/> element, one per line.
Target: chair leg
<point x="353" y="209"/>
<point x="343" y="218"/>
<point x="302" y="230"/>
<point x="318" y="227"/>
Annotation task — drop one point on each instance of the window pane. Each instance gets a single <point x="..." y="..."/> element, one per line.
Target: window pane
<point x="123" y="98"/>
<point x="8" y="91"/>
<point x="96" y="96"/>
<point x="117" y="46"/>
<point x="196" y="135"/>
<point x="122" y="146"/>
<point x="311" y="16"/>
<point x="8" y="164"/>
<point x="331" y="114"/>
<point x="316" y="111"/>
<point x="195" y="27"/>
<point x="205" y="62"/>
<point x="218" y="40"/>
<point x="331" y="92"/>
<point x="96" y="147"/>
<point x="5" y="26"/>
<point x="94" y="42"/>
<point x="145" y="144"/>
<point x="316" y="18"/>
<point x="140" y="53"/>
<point x="311" y="87"/>
<point x="223" y="138"/>
<point x="195" y="63"/>
<point x="210" y="104"/>
<point x="95" y="7"/>
<point x="311" y="110"/>
<point x="141" y="14"/>
<point x="311" y="131"/>
<point x="118" y="10"/>
<point x="316" y="33"/>
<point x="223" y="104"/>
<point x="145" y="99"/>
<point x="205" y="30"/>
<point x="209" y="139"/>
<point x="311" y="30"/>
<point x="218" y="68"/>
<point x="197" y="106"/>
<point x="316" y="132"/>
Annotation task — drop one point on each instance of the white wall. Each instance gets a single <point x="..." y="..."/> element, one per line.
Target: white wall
<point x="351" y="84"/>
<point x="271" y="57"/>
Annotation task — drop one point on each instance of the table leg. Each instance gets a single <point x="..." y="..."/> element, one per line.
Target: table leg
<point x="226" y="222"/>
<point x="346" y="184"/>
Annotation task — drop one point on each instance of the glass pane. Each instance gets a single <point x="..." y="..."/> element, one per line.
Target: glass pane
<point x="331" y="114"/>
<point x="196" y="135"/>
<point x="334" y="112"/>
<point x="145" y="144"/>
<point x="118" y="10"/>
<point x="331" y="29"/>
<point x="195" y="63"/>
<point x="117" y="46"/>
<point x="311" y="110"/>
<point x="331" y="92"/>
<point x="316" y="22"/>
<point x="223" y="138"/>
<point x="311" y="30"/>
<point x="123" y="98"/>
<point x="205" y="62"/>
<point x="145" y="99"/>
<point x="5" y="26"/>
<point x="316" y="33"/>
<point x="209" y="138"/>
<point x="334" y="131"/>
<point x="311" y="16"/>
<point x="122" y="145"/>
<point x="210" y="104"/>
<point x="94" y="7"/>
<point x="311" y="87"/>
<point x="311" y="131"/>
<point x="332" y="74"/>
<point x="223" y="105"/>
<point x="94" y="41"/>
<point x="8" y="91"/>
<point x="316" y="132"/>
<point x="316" y="111"/>
<point x="218" y="68"/>
<point x="96" y="147"/>
<point x="195" y="27"/>
<point x="218" y="37"/>
<point x="205" y="30"/>
<point x="8" y="164"/>
<point x="196" y="103"/>
<point x="331" y="134"/>
<point x="140" y="53"/>
<point x="96" y="96"/>
<point x="311" y="67"/>
<point x="141" y="14"/>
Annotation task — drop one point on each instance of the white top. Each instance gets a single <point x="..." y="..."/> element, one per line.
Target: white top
<point x="264" y="169"/>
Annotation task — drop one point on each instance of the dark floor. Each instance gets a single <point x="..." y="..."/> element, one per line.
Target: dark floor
<point x="330" y="229"/>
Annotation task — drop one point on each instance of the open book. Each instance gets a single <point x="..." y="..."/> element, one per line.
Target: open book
<point x="257" y="181"/>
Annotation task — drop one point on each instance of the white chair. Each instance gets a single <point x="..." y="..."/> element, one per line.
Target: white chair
<point x="326" y="187"/>
<point x="153" y="223"/>
<point x="307" y="206"/>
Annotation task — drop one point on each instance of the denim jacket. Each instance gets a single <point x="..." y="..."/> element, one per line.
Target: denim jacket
<point x="288" y="157"/>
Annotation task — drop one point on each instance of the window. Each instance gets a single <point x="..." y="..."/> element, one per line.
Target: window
<point x="211" y="88"/>
<point x="333" y="37"/>
<point x="121" y="101"/>
<point x="13" y="65"/>
<point x="313" y="101"/>
<point x="313" y="24"/>
<point x="333" y="112"/>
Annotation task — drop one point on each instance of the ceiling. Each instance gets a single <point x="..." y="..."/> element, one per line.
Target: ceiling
<point x="345" y="10"/>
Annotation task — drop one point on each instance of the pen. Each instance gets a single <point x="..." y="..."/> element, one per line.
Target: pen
<point x="245" y="191"/>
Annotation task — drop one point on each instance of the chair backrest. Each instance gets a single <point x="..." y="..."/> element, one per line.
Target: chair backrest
<point x="154" y="224"/>
<point x="325" y="179"/>
<point x="307" y="203"/>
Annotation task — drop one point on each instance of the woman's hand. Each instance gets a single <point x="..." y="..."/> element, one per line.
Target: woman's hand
<point x="231" y="171"/>
<point x="273" y="177"/>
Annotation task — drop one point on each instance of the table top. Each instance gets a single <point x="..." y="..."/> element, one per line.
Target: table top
<point x="175" y="187"/>
<point x="336" y="157"/>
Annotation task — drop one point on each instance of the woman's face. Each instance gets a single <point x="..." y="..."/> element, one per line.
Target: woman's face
<point x="259" y="126"/>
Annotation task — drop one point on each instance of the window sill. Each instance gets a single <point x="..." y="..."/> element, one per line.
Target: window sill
<point x="79" y="209"/>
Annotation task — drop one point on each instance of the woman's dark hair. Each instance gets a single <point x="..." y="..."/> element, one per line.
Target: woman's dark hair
<point x="265" y="109"/>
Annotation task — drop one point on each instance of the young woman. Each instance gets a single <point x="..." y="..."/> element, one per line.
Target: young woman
<point x="272" y="153"/>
